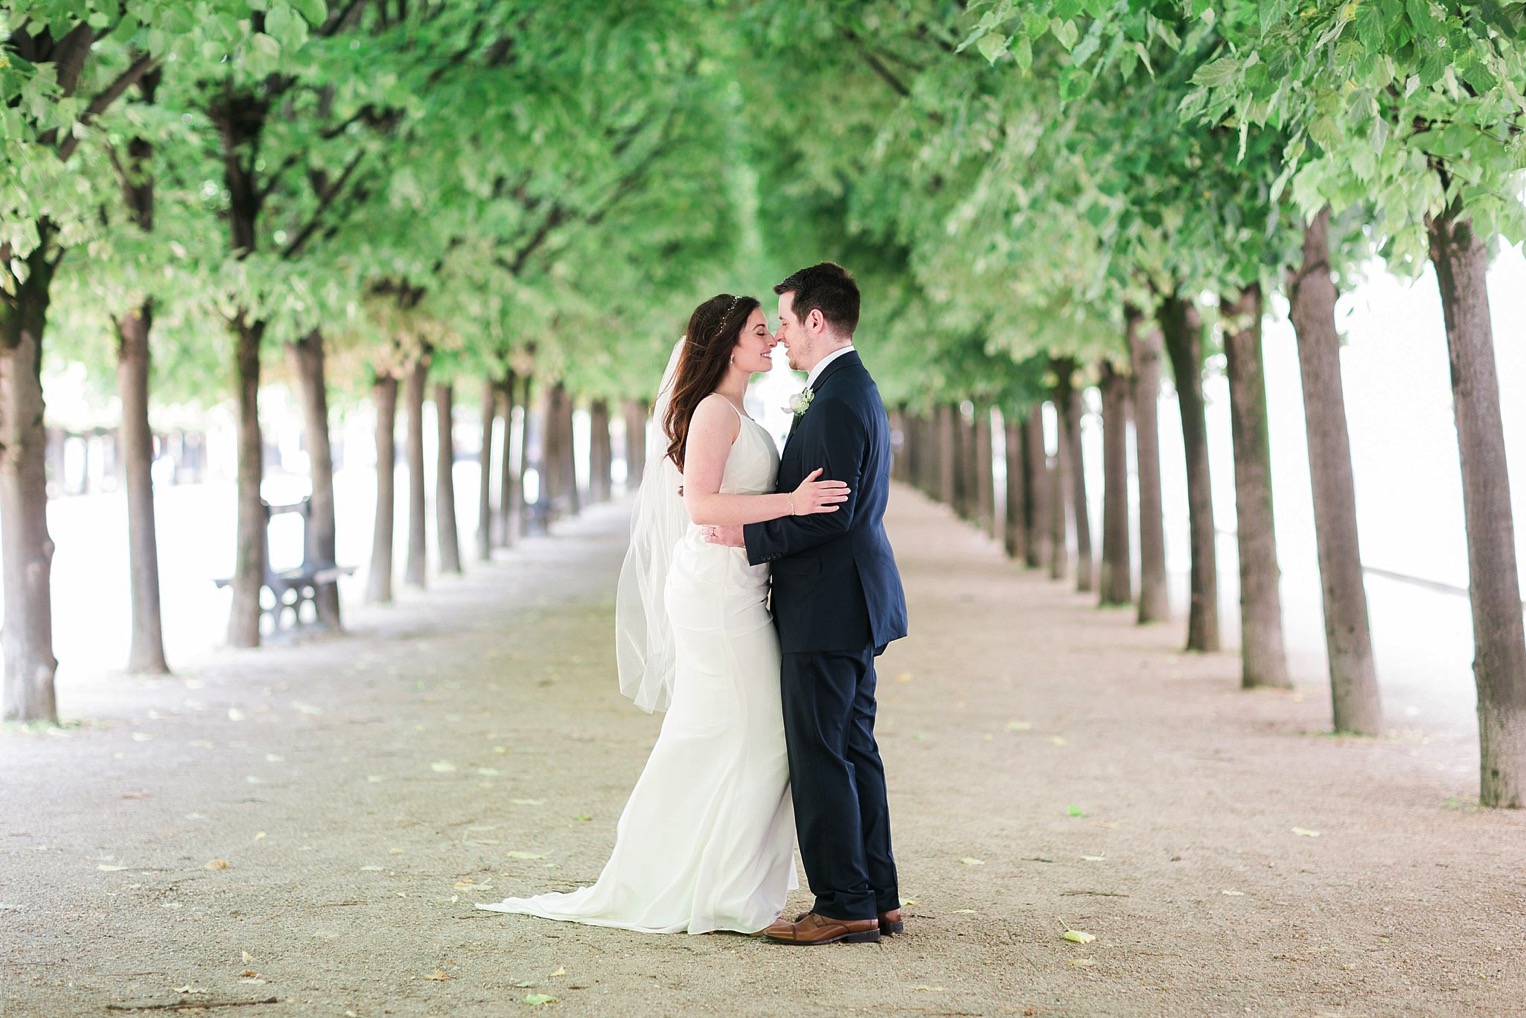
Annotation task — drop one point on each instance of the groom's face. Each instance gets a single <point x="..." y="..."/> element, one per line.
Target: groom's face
<point x="792" y="334"/>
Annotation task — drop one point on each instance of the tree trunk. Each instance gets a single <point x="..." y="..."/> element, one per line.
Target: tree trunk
<point x="1116" y="581"/>
<point x="964" y="465"/>
<point x="415" y="566"/>
<point x="1040" y="489"/>
<point x="948" y="459"/>
<point x="914" y="449"/>
<point x="1015" y="533"/>
<point x="1144" y="364"/>
<point x="635" y="442"/>
<point x="1353" y="678"/>
<point x="312" y="385"/>
<point x="899" y="445"/>
<point x="601" y="455"/>
<point x="1183" y="333"/>
<point x="511" y="490"/>
<point x="445" y="480"/>
<point x="27" y="635"/>
<point x="485" y="472"/>
<point x="1263" y="661"/>
<point x="1499" y="663"/>
<point x="985" y="478"/>
<point x="1060" y="490"/>
<point x="568" y="449"/>
<point x="379" y="579"/>
<point x="249" y="543"/>
<point x="1070" y="421"/>
<point x="146" y="652"/>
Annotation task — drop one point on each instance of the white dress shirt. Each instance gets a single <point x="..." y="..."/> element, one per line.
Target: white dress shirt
<point x="815" y="373"/>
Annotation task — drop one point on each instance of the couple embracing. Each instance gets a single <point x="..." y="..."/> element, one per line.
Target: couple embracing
<point x="769" y="729"/>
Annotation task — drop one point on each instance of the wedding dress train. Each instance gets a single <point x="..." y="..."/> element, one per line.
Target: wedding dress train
<point x="706" y="841"/>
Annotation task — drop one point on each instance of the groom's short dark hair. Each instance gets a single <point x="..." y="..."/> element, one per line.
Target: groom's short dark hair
<point x="828" y="288"/>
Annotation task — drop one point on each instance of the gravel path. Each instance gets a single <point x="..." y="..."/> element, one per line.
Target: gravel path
<point x="309" y="825"/>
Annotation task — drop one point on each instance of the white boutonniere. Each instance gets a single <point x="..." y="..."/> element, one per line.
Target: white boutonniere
<point x="800" y="402"/>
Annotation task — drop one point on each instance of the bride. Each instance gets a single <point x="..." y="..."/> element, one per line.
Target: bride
<point x="706" y="841"/>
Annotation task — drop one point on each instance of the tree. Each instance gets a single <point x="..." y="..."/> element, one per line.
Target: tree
<point x="67" y="68"/>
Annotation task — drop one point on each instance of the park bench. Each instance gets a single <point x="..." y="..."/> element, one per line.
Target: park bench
<point x="290" y="589"/>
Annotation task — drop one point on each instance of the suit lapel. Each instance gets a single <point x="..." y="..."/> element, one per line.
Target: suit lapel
<point x="826" y="373"/>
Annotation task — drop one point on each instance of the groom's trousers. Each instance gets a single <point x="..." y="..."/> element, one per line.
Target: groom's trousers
<point x="838" y="782"/>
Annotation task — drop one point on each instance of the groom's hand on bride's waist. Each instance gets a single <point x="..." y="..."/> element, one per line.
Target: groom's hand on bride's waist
<point x="730" y="536"/>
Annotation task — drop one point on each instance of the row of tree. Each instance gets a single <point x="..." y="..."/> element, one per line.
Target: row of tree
<point x="379" y="193"/>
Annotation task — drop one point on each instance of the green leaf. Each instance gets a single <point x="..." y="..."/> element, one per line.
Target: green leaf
<point x="1066" y="33"/>
<point x="992" y="46"/>
<point x="315" y="12"/>
<point x="1023" y="53"/>
<point x="537" y="999"/>
<point x="1217" y="73"/>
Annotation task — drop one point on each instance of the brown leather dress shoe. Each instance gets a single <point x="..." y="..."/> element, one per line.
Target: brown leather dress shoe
<point x="891" y="922"/>
<point x="812" y="929"/>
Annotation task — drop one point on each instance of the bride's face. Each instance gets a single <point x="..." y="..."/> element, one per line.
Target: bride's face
<point x="754" y="349"/>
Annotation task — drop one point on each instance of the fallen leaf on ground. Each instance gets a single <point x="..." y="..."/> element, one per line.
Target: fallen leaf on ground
<point x="559" y="972"/>
<point x="1079" y="936"/>
<point x="135" y="795"/>
<point x="1019" y="726"/>
<point x="1076" y="811"/>
<point x="528" y="802"/>
<point x="930" y="989"/>
<point x="1304" y="832"/>
<point x="969" y="861"/>
<point x="110" y="869"/>
<point x="234" y="714"/>
<point x="442" y="766"/>
<point x="1094" y="858"/>
<point x="372" y="869"/>
<point x="487" y="772"/>
<point x="903" y="677"/>
<point x="248" y="957"/>
<point x="1058" y="740"/>
<point x="188" y="988"/>
<point x="526" y="855"/>
<point x="467" y="885"/>
<point x="965" y="911"/>
<point x="1233" y="894"/>
<point x="437" y="976"/>
<point x="218" y="864"/>
<point x="1081" y="963"/>
<point x="534" y="999"/>
<point x="141" y="737"/>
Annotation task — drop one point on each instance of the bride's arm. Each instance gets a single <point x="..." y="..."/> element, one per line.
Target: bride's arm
<point x="712" y="431"/>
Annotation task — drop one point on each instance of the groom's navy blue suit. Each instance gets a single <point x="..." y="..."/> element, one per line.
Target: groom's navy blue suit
<point x="837" y="602"/>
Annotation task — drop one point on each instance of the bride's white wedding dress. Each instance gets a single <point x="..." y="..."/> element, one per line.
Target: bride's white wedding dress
<point x="706" y="841"/>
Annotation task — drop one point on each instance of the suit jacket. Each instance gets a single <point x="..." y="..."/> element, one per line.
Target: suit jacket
<point x="835" y="583"/>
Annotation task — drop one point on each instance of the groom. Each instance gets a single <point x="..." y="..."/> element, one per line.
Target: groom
<point x="837" y="602"/>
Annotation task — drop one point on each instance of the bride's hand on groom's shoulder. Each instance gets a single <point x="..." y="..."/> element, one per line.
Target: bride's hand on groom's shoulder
<point x="814" y="496"/>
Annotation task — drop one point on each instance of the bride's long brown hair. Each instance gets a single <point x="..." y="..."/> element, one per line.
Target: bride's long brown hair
<point x="714" y="329"/>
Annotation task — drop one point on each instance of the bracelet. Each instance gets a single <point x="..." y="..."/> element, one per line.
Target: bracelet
<point x="791" y="498"/>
